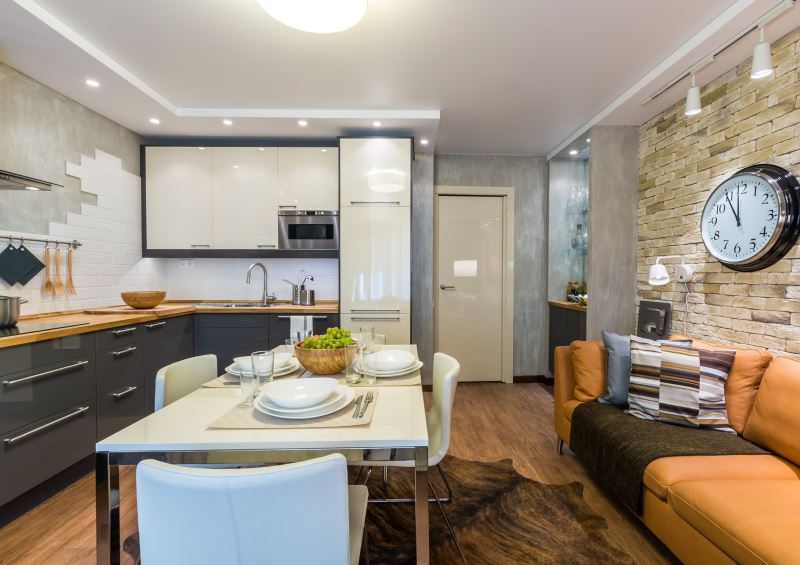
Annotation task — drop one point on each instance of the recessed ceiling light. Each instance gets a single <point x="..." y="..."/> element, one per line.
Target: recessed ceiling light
<point x="316" y="16"/>
<point x="377" y="124"/>
<point x="324" y="150"/>
<point x="155" y="121"/>
<point x="573" y="152"/>
<point x="261" y="149"/>
<point x="227" y="122"/>
<point x="423" y="141"/>
<point x="91" y="82"/>
<point x="202" y="148"/>
<point x="31" y="188"/>
<point x="302" y="123"/>
<point x="236" y="166"/>
<point x="588" y="140"/>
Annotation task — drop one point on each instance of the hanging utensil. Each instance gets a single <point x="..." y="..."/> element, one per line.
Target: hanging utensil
<point x="70" y="285"/>
<point x="47" y="287"/>
<point x="58" y="285"/>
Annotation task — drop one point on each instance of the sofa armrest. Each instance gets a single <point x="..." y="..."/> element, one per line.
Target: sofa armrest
<point x="564" y="389"/>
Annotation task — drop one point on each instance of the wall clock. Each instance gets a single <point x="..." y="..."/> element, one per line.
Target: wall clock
<point x="752" y="218"/>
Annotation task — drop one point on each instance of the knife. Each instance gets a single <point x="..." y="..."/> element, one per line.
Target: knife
<point x="366" y="405"/>
<point x="358" y="405"/>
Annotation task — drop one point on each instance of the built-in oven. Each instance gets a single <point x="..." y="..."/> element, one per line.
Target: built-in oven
<point x="308" y="229"/>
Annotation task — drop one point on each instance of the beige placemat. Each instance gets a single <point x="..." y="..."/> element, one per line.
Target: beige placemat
<point x="248" y="418"/>
<point x="226" y="380"/>
<point x="404" y="380"/>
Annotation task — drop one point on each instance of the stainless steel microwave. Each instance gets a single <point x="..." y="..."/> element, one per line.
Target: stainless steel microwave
<point x="308" y="229"/>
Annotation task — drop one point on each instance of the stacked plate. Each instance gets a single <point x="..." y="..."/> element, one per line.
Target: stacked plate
<point x="298" y="399"/>
<point x="389" y="363"/>
<point x="284" y="363"/>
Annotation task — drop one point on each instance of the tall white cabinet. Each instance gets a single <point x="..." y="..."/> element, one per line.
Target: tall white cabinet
<point x="375" y="232"/>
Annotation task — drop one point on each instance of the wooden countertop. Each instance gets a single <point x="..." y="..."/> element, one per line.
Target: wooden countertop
<point x="567" y="305"/>
<point x="98" y="322"/>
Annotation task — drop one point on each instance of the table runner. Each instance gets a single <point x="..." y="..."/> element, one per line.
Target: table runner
<point x="248" y="418"/>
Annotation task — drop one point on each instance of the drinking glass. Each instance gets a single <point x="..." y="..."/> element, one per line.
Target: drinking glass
<point x="366" y="339"/>
<point x="263" y="365"/>
<point x="303" y="334"/>
<point x="248" y="383"/>
<point x="351" y="375"/>
<point x="289" y="345"/>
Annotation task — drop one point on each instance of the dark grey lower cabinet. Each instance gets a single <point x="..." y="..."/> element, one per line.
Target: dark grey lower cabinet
<point x="32" y="454"/>
<point x="280" y="324"/>
<point x="566" y="326"/>
<point x="118" y="409"/>
<point x="230" y="335"/>
<point x="165" y="342"/>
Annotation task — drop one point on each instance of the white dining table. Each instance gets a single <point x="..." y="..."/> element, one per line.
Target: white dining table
<point x="179" y="434"/>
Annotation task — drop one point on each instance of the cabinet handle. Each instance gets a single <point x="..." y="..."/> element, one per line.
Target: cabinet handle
<point x="122" y="352"/>
<point x="10" y="441"/>
<point x="268" y="245"/>
<point x="360" y="202"/>
<point x="123" y="393"/>
<point x="385" y="319"/>
<point x="199" y="245"/>
<point x="155" y="325"/>
<point x="446" y="287"/>
<point x="287" y="206"/>
<point x="319" y="317"/>
<point x="51" y="372"/>
<point x="377" y="310"/>
<point x="126" y="331"/>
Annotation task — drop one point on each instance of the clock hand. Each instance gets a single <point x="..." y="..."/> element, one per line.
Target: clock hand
<point x="738" y="208"/>
<point x="735" y="213"/>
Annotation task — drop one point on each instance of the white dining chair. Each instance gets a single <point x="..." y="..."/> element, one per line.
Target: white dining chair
<point x="291" y="514"/>
<point x="182" y="377"/>
<point x="438" y="419"/>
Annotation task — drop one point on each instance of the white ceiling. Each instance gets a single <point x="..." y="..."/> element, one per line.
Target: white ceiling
<point x="474" y="76"/>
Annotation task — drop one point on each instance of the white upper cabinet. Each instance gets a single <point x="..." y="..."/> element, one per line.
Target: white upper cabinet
<point x="375" y="170"/>
<point x="308" y="178"/>
<point x="245" y="203"/>
<point x="178" y="198"/>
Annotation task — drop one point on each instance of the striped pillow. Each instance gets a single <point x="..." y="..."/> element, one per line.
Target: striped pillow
<point x="679" y="385"/>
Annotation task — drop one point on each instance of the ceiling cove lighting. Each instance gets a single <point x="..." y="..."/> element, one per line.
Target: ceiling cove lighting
<point x="93" y="83"/>
<point x="573" y="152"/>
<point x="316" y="16"/>
<point x="227" y="122"/>
<point x="762" y="59"/>
<point x="693" y="105"/>
<point x="302" y="123"/>
<point x="155" y="121"/>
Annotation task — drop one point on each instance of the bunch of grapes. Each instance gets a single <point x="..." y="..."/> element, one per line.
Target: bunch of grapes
<point x="333" y="338"/>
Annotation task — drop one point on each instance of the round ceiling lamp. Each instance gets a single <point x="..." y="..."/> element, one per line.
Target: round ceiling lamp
<point x="316" y="16"/>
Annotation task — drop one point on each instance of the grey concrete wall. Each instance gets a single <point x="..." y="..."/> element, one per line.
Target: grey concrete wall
<point x="422" y="261"/>
<point x="528" y="177"/>
<point x="41" y="131"/>
<point x="565" y="264"/>
<point x="613" y="203"/>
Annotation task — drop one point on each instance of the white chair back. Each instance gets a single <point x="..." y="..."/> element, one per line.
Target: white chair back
<point x="287" y="514"/>
<point x="445" y="379"/>
<point x="182" y="377"/>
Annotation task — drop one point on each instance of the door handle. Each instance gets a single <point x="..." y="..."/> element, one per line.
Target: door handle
<point x="267" y="245"/>
<point x="446" y="287"/>
<point x="199" y="245"/>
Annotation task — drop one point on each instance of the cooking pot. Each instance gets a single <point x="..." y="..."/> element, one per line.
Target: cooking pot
<point x="9" y="310"/>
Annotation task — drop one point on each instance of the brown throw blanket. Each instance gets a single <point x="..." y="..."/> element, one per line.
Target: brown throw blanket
<point x="616" y="447"/>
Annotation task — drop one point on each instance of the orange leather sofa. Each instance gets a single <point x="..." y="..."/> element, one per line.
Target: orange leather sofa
<point x="715" y="509"/>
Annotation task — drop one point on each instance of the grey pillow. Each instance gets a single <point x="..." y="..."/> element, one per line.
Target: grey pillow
<point x="618" y="366"/>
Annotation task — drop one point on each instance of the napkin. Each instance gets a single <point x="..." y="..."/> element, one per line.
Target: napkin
<point x="35" y="266"/>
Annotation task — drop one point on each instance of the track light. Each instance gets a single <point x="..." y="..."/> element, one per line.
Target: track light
<point x="762" y="59"/>
<point x="693" y="100"/>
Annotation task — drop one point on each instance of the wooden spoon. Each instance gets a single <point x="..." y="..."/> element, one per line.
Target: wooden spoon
<point x="58" y="286"/>
<point x="70" y="285"/>
<point x="47" y="287"/>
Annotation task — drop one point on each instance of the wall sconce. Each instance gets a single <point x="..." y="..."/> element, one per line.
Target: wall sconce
<point x="659" y="275"/>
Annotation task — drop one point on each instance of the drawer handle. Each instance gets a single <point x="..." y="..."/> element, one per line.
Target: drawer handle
<point x="266" y="245"/>
<point x="123" y="352"/>
<point x="287" y="206"/>
<point x="377" y="310"/>
<point x="123" y="393"/>
<point x="124" y="331"/>
<point x="51" y="372"/>
<point x="199" y="245"/>
<point x="313" y="317"/>
<point x="155" y="325"/>
<point x="319" y="317"/>
<point x="10" y="441"/>
<point x="359" y="202"/>
<point x="386" y="319"/>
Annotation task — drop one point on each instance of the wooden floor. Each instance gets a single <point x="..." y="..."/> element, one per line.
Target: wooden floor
<point x="491" y="422"/>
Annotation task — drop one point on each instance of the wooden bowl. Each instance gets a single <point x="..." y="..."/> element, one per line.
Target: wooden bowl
<point x="324" y="361"/>
<point x="143" y="299"/>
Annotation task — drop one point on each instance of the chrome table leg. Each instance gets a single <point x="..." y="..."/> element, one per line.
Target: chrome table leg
<point x="107" y="510"/>
<point x="421" y="505"/>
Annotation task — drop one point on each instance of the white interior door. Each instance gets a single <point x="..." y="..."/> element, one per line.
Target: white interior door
<point x="470" y="286"/>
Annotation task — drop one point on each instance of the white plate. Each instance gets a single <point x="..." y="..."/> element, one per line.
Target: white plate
<point x="315" y="412"/>
<point x="299" y="393"/>
<point x="338" y="393"/>
<point x="389" y="360"/>
<point x="279" y="361"/>
<point x="415" y="367"/>
<point x="293" y="365"/>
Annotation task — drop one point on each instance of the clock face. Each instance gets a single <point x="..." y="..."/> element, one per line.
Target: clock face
<point x="742" y="218"/>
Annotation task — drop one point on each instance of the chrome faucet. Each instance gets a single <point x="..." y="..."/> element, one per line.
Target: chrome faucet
<point x="265" y="297"/>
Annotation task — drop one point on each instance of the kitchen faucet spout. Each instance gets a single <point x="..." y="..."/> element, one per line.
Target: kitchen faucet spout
<point x="265" y="297"/>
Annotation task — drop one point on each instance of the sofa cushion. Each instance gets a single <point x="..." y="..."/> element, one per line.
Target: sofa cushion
<point x="589" y="369"/>
<point x="775" y="420"/>
<point x="752" y="521"/>
<point x="663" y="473"/>
<point x="679" y="385"/>
<point x="744" y="378"/>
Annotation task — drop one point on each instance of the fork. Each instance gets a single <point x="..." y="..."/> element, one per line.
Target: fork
<point x="369" y="399"/>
